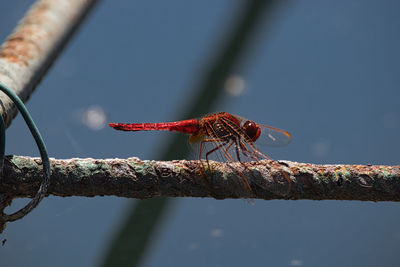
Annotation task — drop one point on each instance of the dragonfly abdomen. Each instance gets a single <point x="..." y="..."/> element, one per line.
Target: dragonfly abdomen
<point x="186" y="126"/>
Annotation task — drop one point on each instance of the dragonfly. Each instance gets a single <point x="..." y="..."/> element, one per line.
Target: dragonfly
<point x="231" y="136"/>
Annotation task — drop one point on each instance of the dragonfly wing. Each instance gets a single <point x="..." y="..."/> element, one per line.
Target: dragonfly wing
<point x="242" y="146"/>
<point x="271" y="136"/>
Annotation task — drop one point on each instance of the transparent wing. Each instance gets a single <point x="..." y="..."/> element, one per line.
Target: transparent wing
<point x="218" y="147"/>
<point x="271" y="136"/>
<point x="227" y="141"/>
<point x="242" y="147"/>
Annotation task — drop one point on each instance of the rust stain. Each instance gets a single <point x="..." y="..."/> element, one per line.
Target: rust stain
<point x="22" y="46"/>
<point x="37" y="15"/>
<point x="18" y="50"/>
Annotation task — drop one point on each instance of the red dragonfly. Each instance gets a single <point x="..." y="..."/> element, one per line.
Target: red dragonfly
<point x="222" y="129"/>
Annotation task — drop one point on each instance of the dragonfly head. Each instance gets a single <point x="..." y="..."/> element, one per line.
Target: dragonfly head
<point x="252" y="130"/>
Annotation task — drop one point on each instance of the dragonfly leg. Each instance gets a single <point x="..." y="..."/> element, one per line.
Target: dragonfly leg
<point x="223" y="143"/>
<point x="241" y="174"/>
<point x="259" y="152"/>
<point x="222" y="139"/>
<point x="226" y="149"/>
<point x="213" y="150"/>
<point x="245" y="151"/>
<point x="237" y="150"/>
<point x="248" y="153"/>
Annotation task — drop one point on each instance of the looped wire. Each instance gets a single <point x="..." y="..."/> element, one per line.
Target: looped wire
<point x="4" y="201"/>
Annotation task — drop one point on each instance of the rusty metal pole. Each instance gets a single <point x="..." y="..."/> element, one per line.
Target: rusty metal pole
<point x="34" y="45"/>
<point x="135" y="178"/>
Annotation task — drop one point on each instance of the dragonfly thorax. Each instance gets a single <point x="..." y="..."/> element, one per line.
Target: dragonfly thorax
<point x="220" y="131"/>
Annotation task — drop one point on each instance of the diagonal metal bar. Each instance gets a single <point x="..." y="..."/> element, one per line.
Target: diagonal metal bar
<point x="34" y="45"/>
<point x="134" y="178"/>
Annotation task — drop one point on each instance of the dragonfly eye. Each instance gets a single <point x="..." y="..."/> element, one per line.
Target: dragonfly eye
<point x="252" y="130"/>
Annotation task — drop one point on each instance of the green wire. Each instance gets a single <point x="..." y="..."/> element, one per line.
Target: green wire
<point x="42" y="149"/>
